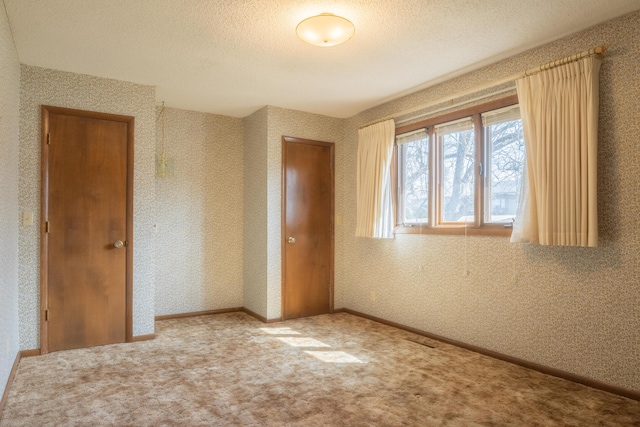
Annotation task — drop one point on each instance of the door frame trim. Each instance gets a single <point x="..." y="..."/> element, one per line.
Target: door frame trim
<point x="283" y="218"/>
<point x="46" y="110"/>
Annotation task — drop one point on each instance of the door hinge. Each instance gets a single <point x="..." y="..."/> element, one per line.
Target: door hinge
<point x="48" y="139"/>
<point x="46" y="315"/>
<point x="480" y="170"/>
<point x="46" y="227"/>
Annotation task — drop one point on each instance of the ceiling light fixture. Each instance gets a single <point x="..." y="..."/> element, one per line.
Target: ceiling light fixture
<point x="325" y="30"/>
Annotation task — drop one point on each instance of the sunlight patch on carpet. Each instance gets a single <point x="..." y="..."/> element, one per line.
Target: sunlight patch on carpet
<point x="279" y="331"/>
<point x="334" y="356"/>
<point x="302" y="342"/>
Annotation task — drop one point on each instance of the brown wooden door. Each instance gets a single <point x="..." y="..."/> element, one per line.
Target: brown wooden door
<point x="307" y="227"/>
<point x="86" y="214"/>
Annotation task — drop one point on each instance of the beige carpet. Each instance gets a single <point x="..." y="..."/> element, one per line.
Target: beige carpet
<point x="331" y="370"/>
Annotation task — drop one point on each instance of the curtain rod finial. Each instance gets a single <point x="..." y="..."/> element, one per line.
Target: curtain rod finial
<point x="601" y="49"/>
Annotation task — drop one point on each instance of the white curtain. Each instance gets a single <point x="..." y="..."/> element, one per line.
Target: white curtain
<point x="559" y="108"/>
<point x="374" y="209"/>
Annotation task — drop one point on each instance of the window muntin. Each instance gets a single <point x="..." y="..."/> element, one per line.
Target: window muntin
<point x="474" y="170"/>
<point x="413" y="177"/>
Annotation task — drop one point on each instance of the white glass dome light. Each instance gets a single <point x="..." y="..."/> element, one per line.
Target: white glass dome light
<point x="325" y="30"/>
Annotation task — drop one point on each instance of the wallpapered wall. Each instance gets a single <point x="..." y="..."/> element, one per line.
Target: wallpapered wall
<point x="255" y="212"/>
<point x="199" y="213"/>
<point x="41" y="86"/>
<point x="573" y="309"/>
<point x="9" y="122"/>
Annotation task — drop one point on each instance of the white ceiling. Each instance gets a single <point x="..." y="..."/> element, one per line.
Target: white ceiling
<point x="233" y="57"/>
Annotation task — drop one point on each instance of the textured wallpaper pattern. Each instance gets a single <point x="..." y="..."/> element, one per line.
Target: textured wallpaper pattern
<point x="574" y="309"/>
<point x="41" y="86"/>
<point x="199" y="213"/>
<point x="255" y="212"/>
<point x="9" y="122"/>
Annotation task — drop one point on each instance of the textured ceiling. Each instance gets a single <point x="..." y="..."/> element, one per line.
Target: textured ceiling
<point x="233" y="57"/>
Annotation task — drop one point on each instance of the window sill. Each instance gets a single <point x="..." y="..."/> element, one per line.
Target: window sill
<point x="493" y="230"/>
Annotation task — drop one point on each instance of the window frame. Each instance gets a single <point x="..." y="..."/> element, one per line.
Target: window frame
<point x="434" y="225"/>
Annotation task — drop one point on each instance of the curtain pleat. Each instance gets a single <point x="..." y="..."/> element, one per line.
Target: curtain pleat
<point x="559" y="110"/>
<point x="374" y="216"/>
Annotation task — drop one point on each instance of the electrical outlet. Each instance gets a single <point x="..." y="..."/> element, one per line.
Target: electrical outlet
<point x="372" y="296"/>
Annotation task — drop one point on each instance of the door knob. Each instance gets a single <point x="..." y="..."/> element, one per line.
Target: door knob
<point x="291" y="240"/>
<point x="118" y="244"/>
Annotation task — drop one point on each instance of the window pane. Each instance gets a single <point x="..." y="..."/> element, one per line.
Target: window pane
<point x="505" y="161"/>
<point x="458" y="176"/>
<point x="414" y="181"/>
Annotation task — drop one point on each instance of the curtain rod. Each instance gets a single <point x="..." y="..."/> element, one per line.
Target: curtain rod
<point x="450" y="99"/>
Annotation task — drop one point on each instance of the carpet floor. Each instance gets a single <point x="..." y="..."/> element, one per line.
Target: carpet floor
<point x="329" y="370"/>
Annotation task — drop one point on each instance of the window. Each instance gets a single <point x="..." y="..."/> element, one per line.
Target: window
<point x="461" y="172"/>
<point x="504" y="163"/>
<point x="456" y="151"/>
<point x="413" y="177"/>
